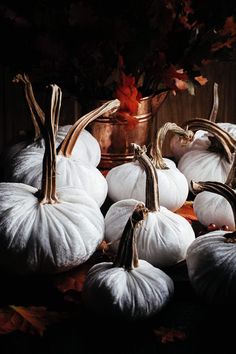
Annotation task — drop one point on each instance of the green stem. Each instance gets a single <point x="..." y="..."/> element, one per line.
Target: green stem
<point x="152" y="191"/>
<point x="127" y="255"/>
<point x="67" y="145"/>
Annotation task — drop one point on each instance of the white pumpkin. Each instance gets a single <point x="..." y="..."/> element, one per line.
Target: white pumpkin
<point x="207" y="165"/>
<point x="164" y="236"/>
<point x="230" y="128"/>
<point x="212" y="208"/>
<point x="210" y="259"/>
<point x="27" y="167"/>
<point x="86" y="149"/>
<point x="129" y="180"/>
<point x="47" y="231"/>
<point x="128" y="288"/>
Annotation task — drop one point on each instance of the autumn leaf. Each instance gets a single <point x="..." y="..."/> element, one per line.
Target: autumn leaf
<point x="169" y="335"/>
<point x="187" y="211"/>
<point x="201" y="80"/>
<point x="32" y="320"/>
<point x="73" y="279"/>
<point x="229" y="27"/>
<point x="128" y="118"/>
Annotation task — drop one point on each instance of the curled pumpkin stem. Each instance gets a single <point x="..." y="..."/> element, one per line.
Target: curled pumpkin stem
<point x="67" y="145"/>
<point x="225" y="143"/>
<point x="217" y="188"/>
<point x="185" y="135"/>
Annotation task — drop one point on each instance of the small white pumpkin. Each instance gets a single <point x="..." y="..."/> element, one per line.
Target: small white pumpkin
<point x="212" y="163"/>
<point x="164" y="236"/>
<point x="127" y="288"/>
<point x="210" y="259"/>
<point x="212" y="208"/>
<point x="129" y="179"/>
<point x="47" y="231"/>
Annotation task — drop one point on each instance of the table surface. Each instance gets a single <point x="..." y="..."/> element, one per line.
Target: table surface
<point x="186" y="325"/>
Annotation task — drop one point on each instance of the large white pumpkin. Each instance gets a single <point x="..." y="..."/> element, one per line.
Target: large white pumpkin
<point x="45" y="230"/>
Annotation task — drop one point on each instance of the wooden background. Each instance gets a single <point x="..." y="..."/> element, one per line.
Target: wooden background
<point x="15" y="118"/>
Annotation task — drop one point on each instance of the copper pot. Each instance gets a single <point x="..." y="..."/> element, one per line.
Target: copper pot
<point x="115" y="139"/>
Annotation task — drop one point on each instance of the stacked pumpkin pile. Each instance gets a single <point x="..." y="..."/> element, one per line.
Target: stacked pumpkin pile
<point x="52" y="193"/>
<point x="209" y="164"/>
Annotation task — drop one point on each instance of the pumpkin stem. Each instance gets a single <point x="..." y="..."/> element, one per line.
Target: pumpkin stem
<point x="34" y="107"/>
<point x="68" y="143"/>
<point x="215" y="106"/>
<point x="185" y="136"/>
<point x="127" y="255"/>
<point x="48" y="193"/>
<point x="152" y="191"/>
<point x="32" y="103"/>
<point x="224" y="141"/>
<point x="231" y="179"/>
<point x="218" y="188"/>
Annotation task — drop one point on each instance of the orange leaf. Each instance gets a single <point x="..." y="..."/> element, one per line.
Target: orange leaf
<point x="33" y="320"/>
<point x="187" y="211"/>
<point x="201" y="80"/>
<point x="126" y="117"/>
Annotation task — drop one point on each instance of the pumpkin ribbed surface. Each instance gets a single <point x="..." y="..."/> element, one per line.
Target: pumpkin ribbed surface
<point x="28" y="169"/>
<point x="49" y="237"/>
<point x="163" y="238"/>
<point x="200" y="165"/>
<point x="211" y="266"/>
<point x="138" y="293"/>
<point x="129" y="181"/>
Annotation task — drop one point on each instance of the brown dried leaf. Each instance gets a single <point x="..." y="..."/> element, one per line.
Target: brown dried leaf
<point x="73" y="279"/>
<point x="33" y="320"/>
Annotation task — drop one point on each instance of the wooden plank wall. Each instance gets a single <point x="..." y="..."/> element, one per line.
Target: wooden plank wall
<point x="15" y="119"/>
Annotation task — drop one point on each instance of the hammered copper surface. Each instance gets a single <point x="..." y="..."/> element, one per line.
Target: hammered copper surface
<point x="115" y="138"/>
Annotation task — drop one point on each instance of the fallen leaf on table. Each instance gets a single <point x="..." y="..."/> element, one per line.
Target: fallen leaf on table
<point x="169" y="335"/>
<point x="72" y="280"/>
<point x="32" y="320"/>
<point x="187" y="211"/>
